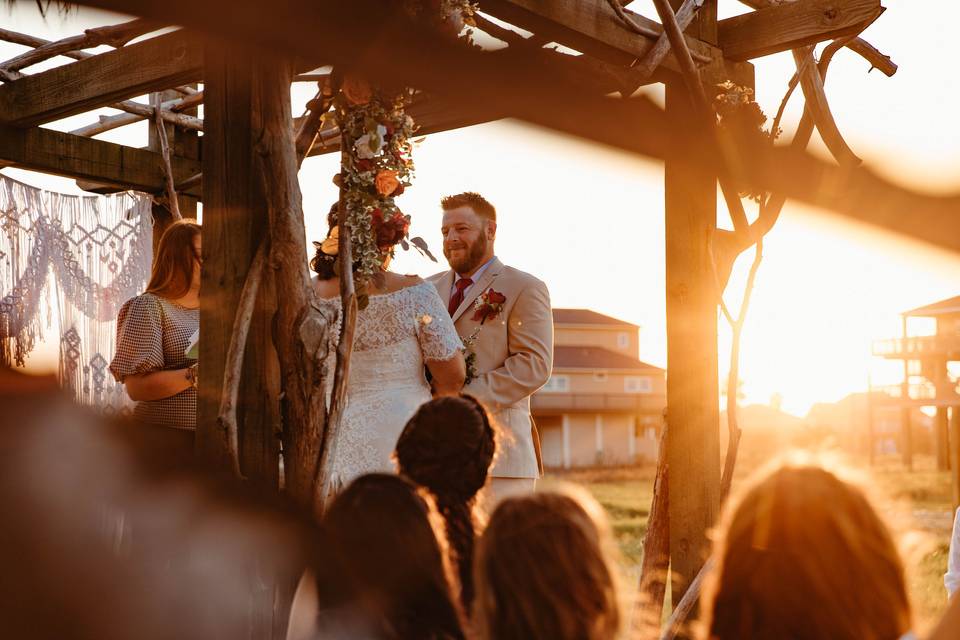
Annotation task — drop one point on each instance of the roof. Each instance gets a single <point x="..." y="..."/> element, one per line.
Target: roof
<point x="950" y="305"/>
<point x="569" y="357"/>
<point x="586" y="316"/>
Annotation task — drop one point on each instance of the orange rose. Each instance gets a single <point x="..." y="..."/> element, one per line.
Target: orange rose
<point x="387" y="182"/>
<point x="356" y="90"/>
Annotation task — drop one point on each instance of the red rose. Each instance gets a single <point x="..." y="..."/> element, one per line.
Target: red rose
<point x="364" y="164"/>
<point x="495" y="297"/>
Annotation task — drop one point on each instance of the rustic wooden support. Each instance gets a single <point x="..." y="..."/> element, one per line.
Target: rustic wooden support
<point x="172" y="203"/>
<point x="858" y="45"/>
<point x="656" y="55"/>
<point x="793" y="25"/>
<point x="158" y="63"/>
<point x="655" y="567"/>
<point x="234" y="226"/>
<point x="233" y="368"/>
<point x="816" y="100"/>
<point x="693" y="447"/>
<point x="942" y="430"/>
<point x="136" y="112"/>
<point x="593" y="28"/>
<point x="325" y="486"/>
<point x="72" y="156"/>
<point x="677" y="626"/>
<point x="115" y="35"/>
<point x="300" y="329"/>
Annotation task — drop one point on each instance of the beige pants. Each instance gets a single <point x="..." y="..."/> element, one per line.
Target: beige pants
<point x="501" y="488"/>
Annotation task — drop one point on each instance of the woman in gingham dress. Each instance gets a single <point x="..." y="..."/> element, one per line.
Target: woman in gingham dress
<point x="153" y="332"/>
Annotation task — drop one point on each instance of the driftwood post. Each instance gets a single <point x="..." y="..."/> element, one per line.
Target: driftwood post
<point x="299" y="328"/>
<point x="655" y="569"/>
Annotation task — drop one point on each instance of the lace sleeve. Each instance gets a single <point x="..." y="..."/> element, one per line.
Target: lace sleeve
<point x="435" y="331"/>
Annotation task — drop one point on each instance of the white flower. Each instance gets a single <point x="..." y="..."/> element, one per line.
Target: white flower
<point x="368" y="146"/>
<point x="425" y="319"/>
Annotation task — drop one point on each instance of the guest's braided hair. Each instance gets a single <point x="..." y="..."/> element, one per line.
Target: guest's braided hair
<point x="447" y="447"/>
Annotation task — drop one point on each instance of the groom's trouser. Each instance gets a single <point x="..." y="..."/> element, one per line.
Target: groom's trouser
<point x="502" y="488"/>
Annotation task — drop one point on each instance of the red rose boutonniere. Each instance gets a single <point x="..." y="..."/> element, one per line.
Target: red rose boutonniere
<point x="488" y="306"/>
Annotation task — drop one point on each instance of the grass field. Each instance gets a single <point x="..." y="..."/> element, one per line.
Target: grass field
<point x="916" y="506"/>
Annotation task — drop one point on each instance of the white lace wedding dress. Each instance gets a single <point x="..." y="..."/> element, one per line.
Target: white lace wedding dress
<point x="395" y="335"/>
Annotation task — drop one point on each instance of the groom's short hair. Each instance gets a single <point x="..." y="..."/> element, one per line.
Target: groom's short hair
<point x="475" y="201"/>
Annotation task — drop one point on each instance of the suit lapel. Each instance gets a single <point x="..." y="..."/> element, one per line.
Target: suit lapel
<point x="481" y="286"/>
<point x="444" y="283"/>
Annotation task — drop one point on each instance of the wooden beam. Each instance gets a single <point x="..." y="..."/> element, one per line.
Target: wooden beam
<point x="794" y="25"/>
<point x="72" y="156"/>
<point x="155" y="64"/>
<point x="590" y="27"/>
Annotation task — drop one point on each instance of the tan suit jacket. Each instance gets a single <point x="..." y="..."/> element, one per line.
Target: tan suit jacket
<point x="514" y="357"/>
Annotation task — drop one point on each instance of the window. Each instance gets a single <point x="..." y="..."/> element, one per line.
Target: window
<point x="557" y="384"/>
<point x="623" y="340"/>
<point x="600" y="376"/>
<point x="637" y="384"/>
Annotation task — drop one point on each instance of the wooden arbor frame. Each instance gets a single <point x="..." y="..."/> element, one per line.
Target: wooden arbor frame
<point x="243" y="139"/>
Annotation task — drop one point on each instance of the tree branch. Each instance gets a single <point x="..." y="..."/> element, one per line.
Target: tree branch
<point x="172" y="203"/>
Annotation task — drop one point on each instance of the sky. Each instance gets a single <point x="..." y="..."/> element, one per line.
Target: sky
<point x="589" y="220"/>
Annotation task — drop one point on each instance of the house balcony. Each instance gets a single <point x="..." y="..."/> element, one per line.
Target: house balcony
<point x="920" y="394"/>
<point x="633" y="403"/>
<point x="918" y="347"/>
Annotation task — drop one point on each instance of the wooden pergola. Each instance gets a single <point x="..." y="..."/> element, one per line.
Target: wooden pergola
<point x="246" y="53"/>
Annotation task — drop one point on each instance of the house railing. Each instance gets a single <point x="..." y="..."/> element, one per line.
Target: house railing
<point x="917" y="346"/>
<point x="597" y="402"/>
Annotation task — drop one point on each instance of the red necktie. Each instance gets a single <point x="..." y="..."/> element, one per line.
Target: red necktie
<point x="457" y="298"/>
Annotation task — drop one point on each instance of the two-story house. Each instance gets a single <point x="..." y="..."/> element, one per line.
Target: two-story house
<point x="602" y="405"/>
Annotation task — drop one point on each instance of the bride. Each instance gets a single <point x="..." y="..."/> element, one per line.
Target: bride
<point x="404" y="328"/>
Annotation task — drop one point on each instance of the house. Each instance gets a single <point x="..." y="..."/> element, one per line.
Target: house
<point x="928" y="379"/>
<point x="602" y="404"/>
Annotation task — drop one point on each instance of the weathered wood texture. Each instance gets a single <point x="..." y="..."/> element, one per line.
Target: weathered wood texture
<point x="590" y="27"/>
<point x="693" y="448"/>
<point x="942" y="429"/>
<point x="655" y="569"/>
<point x="300" y="329"/>
<point x="86" y="159"/>
<point x="158" y="63"/>
<point x="793" y="25"/>
<point x="234" y="223"/>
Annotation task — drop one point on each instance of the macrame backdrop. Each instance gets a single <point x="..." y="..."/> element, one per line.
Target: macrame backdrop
<point x="70" y="262"/>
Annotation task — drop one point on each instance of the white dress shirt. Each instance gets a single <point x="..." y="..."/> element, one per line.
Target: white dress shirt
<point x="475" y="277"/>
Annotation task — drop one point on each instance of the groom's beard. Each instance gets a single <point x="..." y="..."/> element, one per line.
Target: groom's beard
<point x="472" y="260"/>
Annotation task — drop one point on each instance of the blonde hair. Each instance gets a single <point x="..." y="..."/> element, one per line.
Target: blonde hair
<point x="803" y="555"/>
<point x="544" y="570"/>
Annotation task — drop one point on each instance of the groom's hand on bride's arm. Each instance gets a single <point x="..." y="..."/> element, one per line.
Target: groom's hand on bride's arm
<point x="530" y="345"/>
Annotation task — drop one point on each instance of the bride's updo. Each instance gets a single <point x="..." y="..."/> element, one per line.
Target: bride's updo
<point x="447" y="447"/>
<point x="323" y="263"/>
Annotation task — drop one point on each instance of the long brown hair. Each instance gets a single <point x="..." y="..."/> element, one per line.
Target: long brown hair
<point x="544" y="571"/>
<point x="380" y="557"/>
<point x="173" y="265"/>
<point x="803" y="555"/>
<point x="447" y="447"/>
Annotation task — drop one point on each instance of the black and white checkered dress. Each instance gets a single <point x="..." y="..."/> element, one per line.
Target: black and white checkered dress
<point x="152" y="335"/>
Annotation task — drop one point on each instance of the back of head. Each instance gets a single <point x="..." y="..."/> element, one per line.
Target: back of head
<point x="803" y="555"/>
<point x="174" y="261"/>
<point x="544" y="571"/>
<point x="447" y="447"/>
<point x="380" y="555"/>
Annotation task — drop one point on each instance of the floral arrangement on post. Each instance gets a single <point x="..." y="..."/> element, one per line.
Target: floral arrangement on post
<point x="741" y="118"/>
<point x="376" y="155"/>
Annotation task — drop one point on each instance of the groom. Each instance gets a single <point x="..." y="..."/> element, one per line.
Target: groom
<point x="514" y="346"/>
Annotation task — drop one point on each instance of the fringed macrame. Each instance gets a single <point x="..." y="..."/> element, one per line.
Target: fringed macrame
<point x="70" y="262"/>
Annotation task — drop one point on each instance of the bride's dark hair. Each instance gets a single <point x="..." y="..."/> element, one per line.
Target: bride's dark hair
<point x="379" y="558"/>
<point x="447" y="447"/>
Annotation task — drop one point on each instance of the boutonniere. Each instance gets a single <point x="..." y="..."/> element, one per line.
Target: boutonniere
<point x="488" y="305"/>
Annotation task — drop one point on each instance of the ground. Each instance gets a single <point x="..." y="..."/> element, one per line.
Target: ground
<point x="917" y="506"/>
